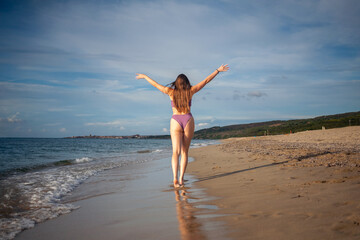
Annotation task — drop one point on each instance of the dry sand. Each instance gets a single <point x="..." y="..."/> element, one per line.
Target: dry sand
<point x="299" y="186"/>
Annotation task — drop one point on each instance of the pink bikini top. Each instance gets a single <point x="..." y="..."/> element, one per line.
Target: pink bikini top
<point x="173" y="105"/>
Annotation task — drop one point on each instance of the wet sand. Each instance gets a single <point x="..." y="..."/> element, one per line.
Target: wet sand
<point x="298" y="186"/>
<point x="133" y="202"/>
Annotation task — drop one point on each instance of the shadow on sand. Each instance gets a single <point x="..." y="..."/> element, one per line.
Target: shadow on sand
<point x="238" y="171"/>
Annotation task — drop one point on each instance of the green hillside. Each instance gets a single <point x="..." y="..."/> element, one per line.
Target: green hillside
<point x="279" y="127"/>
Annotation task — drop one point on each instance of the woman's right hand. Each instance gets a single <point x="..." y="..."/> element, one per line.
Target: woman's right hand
<point x="223" y="68"/>
<point x="140" y="76"/>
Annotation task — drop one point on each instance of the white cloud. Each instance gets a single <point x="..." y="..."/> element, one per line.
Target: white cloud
<point x="26" y="87"/>
<point x="84" y="114"/>
<point x="62" y="130"/>
<point x="14" y="118"/>
<point x="111" y="123"/>
<point x="202" y="124"/>
<point x="11" y="119"/>
<point x="117" y="124"/>
<point x="256" y="94"/>
<point x="63" y="109"/>
<point x="52" y="124"/>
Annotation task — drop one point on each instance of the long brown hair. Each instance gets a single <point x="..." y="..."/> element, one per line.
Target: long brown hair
<point x="181" y="93"/>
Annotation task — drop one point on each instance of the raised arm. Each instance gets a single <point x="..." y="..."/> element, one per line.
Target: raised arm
<point x="162" y="88"/>
<point x="200" y="85"/>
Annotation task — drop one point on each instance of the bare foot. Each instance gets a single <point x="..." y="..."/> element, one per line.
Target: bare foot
<point x="176" y="184"/>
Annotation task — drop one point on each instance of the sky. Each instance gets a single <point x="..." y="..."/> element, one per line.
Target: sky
<point x="67" y="68"/>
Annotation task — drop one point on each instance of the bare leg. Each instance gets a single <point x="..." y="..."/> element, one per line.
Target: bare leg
<point x="176" y="139"/>
<point x="187" y="136"/>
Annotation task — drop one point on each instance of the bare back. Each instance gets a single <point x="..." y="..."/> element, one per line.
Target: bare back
<point x="175" y="111"/>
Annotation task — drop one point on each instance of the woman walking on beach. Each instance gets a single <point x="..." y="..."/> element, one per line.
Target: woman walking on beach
<point x="182" y="123"/>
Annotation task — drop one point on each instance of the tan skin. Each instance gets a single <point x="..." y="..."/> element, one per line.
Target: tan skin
<point x="180" y="138"/>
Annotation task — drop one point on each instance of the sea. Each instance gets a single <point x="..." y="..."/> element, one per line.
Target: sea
<point x="36" y="173"/>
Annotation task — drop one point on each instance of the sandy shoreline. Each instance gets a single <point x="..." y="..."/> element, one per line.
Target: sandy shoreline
<point x="299" y="186"/>
<point x="133" y="202"/>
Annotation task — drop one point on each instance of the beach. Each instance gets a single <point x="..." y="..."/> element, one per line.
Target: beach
<point x="304" y="185"/>
<point x="133" y="202"/>
<point x="296" y="186"/>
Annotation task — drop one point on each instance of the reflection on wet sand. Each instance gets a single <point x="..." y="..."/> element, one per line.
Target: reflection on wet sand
<point x="189" y="226"/>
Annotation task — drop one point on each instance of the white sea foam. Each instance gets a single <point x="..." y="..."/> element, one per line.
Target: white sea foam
<point x="82" y="160"/>
<point x="40" y="193"/>
<point x="35" y="196"/>
<point x="203" y="144"/>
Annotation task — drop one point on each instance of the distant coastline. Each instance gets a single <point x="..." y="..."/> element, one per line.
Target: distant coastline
<point x="136" y="136"/>
<point x="276" y="127"/>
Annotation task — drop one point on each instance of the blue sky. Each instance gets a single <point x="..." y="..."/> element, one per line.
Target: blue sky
<point x="68" y="67"/>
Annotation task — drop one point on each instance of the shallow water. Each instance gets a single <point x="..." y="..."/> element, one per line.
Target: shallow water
<point x="137" y="202"/>
<point x="36" y="174"/>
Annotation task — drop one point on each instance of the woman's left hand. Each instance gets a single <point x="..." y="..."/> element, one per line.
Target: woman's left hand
<point x="140" y="76"/>
<point x="223" y="68"/>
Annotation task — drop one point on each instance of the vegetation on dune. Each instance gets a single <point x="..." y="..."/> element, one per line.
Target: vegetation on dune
<point x="279" y="127"/>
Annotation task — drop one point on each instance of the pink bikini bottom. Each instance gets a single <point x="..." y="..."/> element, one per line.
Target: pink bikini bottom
<point x="182" y="119"/>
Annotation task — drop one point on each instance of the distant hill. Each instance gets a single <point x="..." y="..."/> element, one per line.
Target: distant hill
<point x="260" y="128"/>
<point x="279" y="127"/>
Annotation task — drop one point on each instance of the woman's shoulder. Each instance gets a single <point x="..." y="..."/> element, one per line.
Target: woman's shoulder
<point x="170" y="92"/>
<point x="192" y="90"/>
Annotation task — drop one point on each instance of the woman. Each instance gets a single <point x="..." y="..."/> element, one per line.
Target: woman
<point x="182" y="123"/>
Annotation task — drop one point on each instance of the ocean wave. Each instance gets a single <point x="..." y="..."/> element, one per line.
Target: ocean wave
<point x="82" y="160"/>
<point x="34" y="197"/>
<point x="203" y="144"/>
<point x="150" y="151"/>
<point x="33" y="168"/>
<point x="144" y="151"/>
<point x="35" y="177"/>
